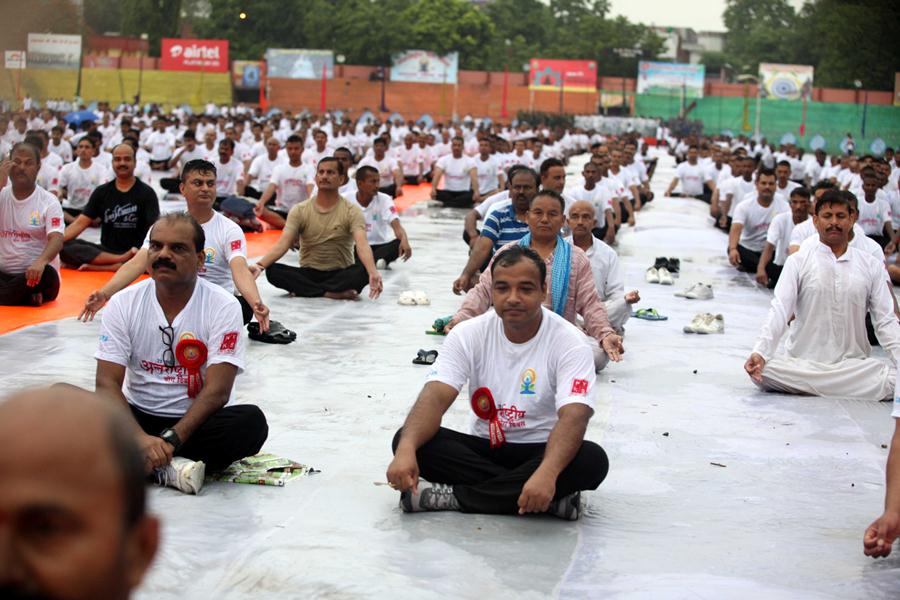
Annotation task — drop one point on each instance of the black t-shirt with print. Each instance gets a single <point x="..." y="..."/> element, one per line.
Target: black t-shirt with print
<point x="125" y="217"/>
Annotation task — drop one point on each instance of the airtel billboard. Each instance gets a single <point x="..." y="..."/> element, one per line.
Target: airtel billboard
<point x="194" y="55"/>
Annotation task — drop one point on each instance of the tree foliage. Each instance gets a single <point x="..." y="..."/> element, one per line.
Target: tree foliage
<point x="845" y="40"/>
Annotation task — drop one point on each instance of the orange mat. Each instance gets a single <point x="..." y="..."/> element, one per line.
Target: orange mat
<point x="77" y="285"/>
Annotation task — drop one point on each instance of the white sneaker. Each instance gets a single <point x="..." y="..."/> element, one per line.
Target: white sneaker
<point x="182" y="474"/>
<point x="652" y="275"/>
<point x="421" y="298"/>
<point x="407" y="298"/>
<point x="701" y="291"/>
<point x="381" y="264"/>
<point x="683" y="293"/>
<point x="665" y="278"/>
<point x="711" y="324"/>
<point x="698" y="321"/>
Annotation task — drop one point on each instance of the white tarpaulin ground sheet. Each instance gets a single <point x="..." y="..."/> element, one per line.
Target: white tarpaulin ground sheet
<point x="780" y="516"/>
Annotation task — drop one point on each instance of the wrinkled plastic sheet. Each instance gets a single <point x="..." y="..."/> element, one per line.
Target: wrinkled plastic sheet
<point x="779" y="516"/>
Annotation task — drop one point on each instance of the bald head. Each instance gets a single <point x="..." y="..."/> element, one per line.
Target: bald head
<point x="582" y="219"/>
<point x="72" y="499"/>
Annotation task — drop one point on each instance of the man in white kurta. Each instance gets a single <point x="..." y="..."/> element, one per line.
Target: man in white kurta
<point x="829" y="287"/>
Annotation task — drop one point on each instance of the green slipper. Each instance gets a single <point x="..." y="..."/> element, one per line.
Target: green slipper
<point x="649" y="314"/>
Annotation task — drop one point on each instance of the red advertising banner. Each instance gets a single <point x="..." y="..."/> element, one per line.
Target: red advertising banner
<point x="570" y="75"/>
<point x="194" y="55"/>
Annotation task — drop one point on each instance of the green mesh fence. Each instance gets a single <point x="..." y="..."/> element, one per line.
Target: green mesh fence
<point x="830" y="120"/>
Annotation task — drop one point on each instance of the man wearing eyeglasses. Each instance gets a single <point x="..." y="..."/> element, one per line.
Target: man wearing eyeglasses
<point x="178" y="339"/>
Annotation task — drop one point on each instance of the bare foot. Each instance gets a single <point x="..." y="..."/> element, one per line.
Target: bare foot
<point x="345" y="295"/>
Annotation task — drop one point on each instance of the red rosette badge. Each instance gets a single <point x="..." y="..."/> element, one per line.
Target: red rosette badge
<point x="191" y="354"/>
<point x="484" y="407"/>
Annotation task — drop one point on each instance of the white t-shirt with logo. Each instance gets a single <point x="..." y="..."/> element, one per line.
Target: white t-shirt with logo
<point x="756" y="219"/>
<point x="740" y="190"/>
<point x="456" y="172"/>
<point x="379" y="215"/>
<point x="779" y="235"/>
<point x="291" y="183"/>
<point x="530" y="382"/>
<point x="385" y="167"/>
<point x="224" y="242"/>
<point x="261" y="169"/>
<point x="691" y="178"/>
<point x="227" y="176"/>
<point x="873" y="215"/>
<point x="411" y="159"/>
<point x="25" y="226"/>
<point x="488" y="172"/>
<point x="130" y="336"/>
<point x="161" y="144"/>
<point x="80" y="183"/>
<point x="600" y="197"/>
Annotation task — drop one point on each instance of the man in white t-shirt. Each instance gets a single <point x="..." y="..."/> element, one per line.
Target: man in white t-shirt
<point x="31" y="232"/>
<point x="532" y="378"/>
<point x="412" y="160"/>
<point x="321" y="150"/>
<point x="177" y="338"/>
<point x="78" y="180"/>
<point x="386" y="235"/>
<point x="752" y="217"/>
<point x="291" y="183"/>
<point x="778" y="237"/>
<point x="732" y="192"/>
<point x="783" y="183"/>
<point x="488" y="172"/>
<point x="875" y="216"/>
<point x="600" y="198"/>
<point x="691" y="175"/>
<point x="225" y="253"/>
<point x="59" y="146"/>
<point x="260" y="172"/>
<point x="459" y="177"/>
<point x="160" y="144"/>
<point x="389" y="169"/>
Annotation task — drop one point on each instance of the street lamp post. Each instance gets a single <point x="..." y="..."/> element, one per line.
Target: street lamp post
<point x="504" y="113"/>
<point x="144" y="38"/>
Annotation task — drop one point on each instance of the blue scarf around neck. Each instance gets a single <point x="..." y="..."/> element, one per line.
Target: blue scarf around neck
<point x="559" y="272"/>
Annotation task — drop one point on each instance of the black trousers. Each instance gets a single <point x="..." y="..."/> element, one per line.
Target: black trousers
<point x="246" y="309"/>
<point x="81" y="252"/>
<point x="774" y="272"/>
<point x="490" y="481"/>
<point x="411" y="179"/>
<point x="389" y="251"/>
<point x="882" y="240"/>
<point x="627" y="208"/>
<point x="313" y="283"/>
<point x="252" y="192"/>
<point x="727" y="227"/>
<point x="14" y="290"/>
<point x="170" y="184"/>
<point x="749" y="259"/>
<point x="461" y="199"/>
<point x="230" y="434"/>
<point x="390" y="190"/>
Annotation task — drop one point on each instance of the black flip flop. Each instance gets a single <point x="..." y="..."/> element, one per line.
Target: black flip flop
<point x="277" y="334"/>
<point x="425" y="357"/>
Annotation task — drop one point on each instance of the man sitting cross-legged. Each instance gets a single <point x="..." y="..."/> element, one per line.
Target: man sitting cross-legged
<point x="386" y="235"/>
<point x="178" y="338"/>
<point x="327" y="226"/>
<point x="533" y="376"/>
<point x="828" y="287"/>
<point x="126" y="208"/>
<point x="225" y="253"/>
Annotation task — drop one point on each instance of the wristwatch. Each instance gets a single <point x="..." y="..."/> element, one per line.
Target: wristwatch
<point x="171" y="437"/>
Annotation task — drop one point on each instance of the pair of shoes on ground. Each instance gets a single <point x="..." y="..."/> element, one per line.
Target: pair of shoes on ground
<point x="663" y="270"/>
<point x="277" y="333"/>
<point x="706" y="323"/>
<point x="183" y="474"/>
<point x="698" y="291"/>
<point x="439" y="496"/>
<point x="413" y="298"/>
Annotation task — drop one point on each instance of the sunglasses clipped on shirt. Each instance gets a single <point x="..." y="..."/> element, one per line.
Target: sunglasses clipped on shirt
<point x="168" y="336"/>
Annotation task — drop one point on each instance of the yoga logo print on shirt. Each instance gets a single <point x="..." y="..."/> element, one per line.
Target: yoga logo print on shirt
<point x="209" y="258"/>
<point x="35" y="219"/>
<point x="529" y="379"/>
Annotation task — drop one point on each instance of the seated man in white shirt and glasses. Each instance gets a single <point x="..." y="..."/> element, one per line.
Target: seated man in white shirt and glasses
<point x="170" y="349"/>
<point x="530" y="374"/>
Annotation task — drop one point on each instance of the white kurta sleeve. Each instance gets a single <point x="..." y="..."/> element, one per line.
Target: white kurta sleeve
<point x="783" y="305"/>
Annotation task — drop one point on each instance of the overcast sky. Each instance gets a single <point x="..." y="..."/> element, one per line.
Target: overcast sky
<point x="700" y="15"/>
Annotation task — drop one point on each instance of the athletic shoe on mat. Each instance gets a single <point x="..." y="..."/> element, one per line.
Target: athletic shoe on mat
<point x="652" y="275"/>
<point x="701" y="291"/>
<point x="567" y="507"/>
<point x="696" y="322"/>
<point x="182" y="474"/>
<point x="711" y="324"/>
<point x="429" y="496"/>
<point x="665" y="278"/>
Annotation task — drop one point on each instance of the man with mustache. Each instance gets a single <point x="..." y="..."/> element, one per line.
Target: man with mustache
<point x="177" y="336"/>
<point x="225" y="253"/>
<point x="31" y="228"/>
<point x="829" y="286"/>
<point x="126" y="208"/>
